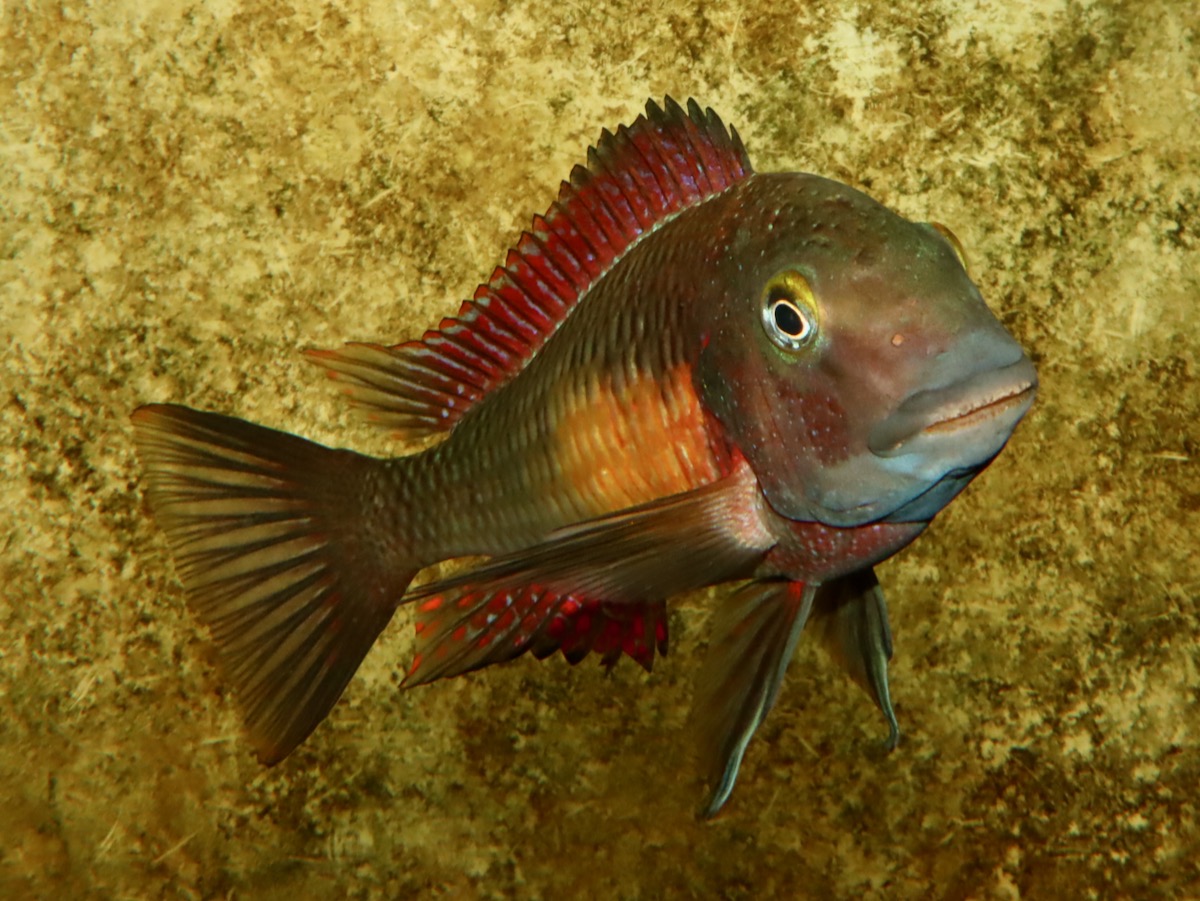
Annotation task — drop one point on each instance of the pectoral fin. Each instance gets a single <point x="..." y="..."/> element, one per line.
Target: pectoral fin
<point x="686" y="541"/>
<point x="754" y="638"/>
<point x="850" y="615"/>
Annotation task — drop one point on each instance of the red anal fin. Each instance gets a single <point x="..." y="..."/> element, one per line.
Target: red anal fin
<point x="459" y="634"/>
<point x="668" y="160"/>
<point x="636" y="630"/>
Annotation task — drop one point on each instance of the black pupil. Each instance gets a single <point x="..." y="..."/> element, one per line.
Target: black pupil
<point x="787" y="319"/>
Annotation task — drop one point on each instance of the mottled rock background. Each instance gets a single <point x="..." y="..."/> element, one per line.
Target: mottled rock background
<point x="191" y="194"/>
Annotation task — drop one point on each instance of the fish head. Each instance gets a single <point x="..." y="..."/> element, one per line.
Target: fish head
<point x="851" y="359"/>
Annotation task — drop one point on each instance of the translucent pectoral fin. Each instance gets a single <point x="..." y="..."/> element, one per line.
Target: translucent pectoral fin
<point x="850" y="615"/>
<point x="754" y="639"/>
<point x="679" y="543"/>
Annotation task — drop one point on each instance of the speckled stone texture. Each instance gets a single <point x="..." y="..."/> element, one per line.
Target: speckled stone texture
<point x="191" y="194"/>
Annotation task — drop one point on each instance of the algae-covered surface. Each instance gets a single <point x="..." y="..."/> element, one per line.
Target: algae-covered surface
<point x="189" y="195"/>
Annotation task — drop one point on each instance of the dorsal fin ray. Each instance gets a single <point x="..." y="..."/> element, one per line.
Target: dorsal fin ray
<point x="668" y="160"/>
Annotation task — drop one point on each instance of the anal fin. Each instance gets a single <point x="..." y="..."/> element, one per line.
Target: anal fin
<point x="460" y="633"/>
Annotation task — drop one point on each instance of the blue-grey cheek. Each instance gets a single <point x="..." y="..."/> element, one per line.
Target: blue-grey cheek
<point x="865" y="488"/>
<point x="927" y="505"/>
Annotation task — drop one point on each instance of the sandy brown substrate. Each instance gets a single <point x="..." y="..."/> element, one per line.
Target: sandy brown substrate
<point x="186" y="199"/>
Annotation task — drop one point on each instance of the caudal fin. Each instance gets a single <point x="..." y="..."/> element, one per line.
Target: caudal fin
<point x="274" y="541"/>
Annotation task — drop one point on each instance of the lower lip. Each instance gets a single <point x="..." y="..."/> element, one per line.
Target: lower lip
<point x="981" y="414"/>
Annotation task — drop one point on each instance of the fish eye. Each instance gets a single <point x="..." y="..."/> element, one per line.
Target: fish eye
<point x="789" y="311"/>
<point x="955" y="244"/>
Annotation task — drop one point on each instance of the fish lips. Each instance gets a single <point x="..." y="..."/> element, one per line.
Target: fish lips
<point x="967" y="422"/>
<point x="959" y="429"/>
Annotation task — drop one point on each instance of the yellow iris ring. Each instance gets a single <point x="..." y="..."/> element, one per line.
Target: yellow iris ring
<point x="790" y="287"/>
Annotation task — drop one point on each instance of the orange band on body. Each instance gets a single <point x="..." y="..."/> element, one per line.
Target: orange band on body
<point x="622" y="445"/>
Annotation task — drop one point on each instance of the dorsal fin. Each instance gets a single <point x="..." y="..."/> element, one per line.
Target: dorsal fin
<point x="668" y="160"/>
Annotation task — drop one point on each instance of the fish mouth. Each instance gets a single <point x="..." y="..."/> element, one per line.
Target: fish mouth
<point x="985" y="404"/>
<point x="983" y="411"/>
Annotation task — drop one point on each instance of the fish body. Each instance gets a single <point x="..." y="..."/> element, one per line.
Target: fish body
<point x="685" y="374"/>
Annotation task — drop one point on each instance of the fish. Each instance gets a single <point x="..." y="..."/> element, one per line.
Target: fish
<point x="685" y="374"/>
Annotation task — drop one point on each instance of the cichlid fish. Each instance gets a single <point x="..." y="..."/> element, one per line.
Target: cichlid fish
<point x="685" y="374"/>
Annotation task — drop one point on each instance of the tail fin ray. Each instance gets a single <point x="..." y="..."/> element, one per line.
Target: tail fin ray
<point x="272" y="542"/>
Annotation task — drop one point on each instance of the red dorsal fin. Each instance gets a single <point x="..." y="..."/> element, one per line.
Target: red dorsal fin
<point x="460" y="633"/>
<point x="668" y="160"/>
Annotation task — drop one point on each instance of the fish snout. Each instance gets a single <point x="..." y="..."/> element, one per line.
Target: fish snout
<point x="964" y="423"/>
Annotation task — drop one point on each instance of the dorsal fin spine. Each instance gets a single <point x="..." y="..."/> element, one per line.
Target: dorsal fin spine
<point x="514" y="320"/>
<point x="720" y="149"/>
<point x="610" y="189"/>
<point x="643" y="175"/>
<point x="712" y="142"/>
<point x="494" y="328"/>
<point x="577" y="253"/>
<point x="510" y="317"/>
<point x="698" y="174"/>
<point x="669" y="151"/>
<point x="554" y="255"/>
<point x="580" y="225"/>
<point x="512" y="295"/>
<point x="673" y="155"/>
<point x="531" y="283"/>
<point x="641" y="183"/>
<point x="718" y="177"/>
<point x="479" y="341"/>
<point x="648" y="190"/>
<point x="656" y="166"/>
<point x="502" y="329"/>
<point x="559" y="283"/>
<point x="614" y="198"/>
<point x="600" y="196"/>
<point x="441" y="342"/>
<point x="710" y="168"/>
<point x="593" y="201"/>
<point x="510" y="292"/>
<point x="637" y="201"/>
<point x="595" y="216"/>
